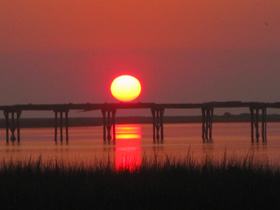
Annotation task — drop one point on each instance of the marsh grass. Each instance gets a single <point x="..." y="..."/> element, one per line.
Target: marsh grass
<point x="229" y="183"/>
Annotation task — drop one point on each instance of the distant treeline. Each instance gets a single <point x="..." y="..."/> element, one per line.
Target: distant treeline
<point x="96" y="121"/>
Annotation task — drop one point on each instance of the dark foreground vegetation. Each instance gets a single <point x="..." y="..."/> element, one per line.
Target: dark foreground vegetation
<point x="228" y="184"/>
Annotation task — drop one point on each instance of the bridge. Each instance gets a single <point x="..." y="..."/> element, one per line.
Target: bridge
<point x="257" y="111"/>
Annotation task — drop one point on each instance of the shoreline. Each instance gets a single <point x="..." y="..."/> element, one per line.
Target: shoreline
<point x="98" y="121"/>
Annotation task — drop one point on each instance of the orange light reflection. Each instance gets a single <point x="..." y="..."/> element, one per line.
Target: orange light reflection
<point x="128" y="147"/>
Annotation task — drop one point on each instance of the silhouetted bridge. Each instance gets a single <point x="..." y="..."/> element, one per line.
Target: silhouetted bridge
<point x="257" y="112"/>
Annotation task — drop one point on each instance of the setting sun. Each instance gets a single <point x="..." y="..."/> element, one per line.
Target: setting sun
<point x="126" y="88"/>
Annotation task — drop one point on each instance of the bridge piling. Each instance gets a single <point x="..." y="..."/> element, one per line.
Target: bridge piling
<point x="18" y="126"/>
<point x="12" y="125"/>
<point x="257" y="125"/>
<point x="210" y="115"/>
<point x="61" y="124"/>
<point x="254" y="124"/>
<point x="207" y="123"/>
<point x="55" y="126"/>
<point x="66" y="126"/>
<point x="109" y="125"/>
<point x="203" y="123"/>
<point x="157" y="114"/>
<point x="264" y="125"/>
<point x="255" y="118"/>
<point x="6" y="114"/>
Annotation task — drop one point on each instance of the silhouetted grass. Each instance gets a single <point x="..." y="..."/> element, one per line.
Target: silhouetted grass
<point x="224" y="184"/>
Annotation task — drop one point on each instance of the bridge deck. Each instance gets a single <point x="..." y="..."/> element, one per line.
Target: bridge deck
<point x="99" y="106"/>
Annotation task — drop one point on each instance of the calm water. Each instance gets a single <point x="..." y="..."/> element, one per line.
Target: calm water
<point x="134" y="142"/>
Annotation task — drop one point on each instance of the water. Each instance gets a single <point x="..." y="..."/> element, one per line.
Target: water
<point x="135" y="141"/>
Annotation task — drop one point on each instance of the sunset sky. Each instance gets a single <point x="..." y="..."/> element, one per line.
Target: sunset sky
<point x="184" y="51"/>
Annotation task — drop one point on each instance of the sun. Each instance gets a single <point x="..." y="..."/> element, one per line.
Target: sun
<point x="125" y="88"/>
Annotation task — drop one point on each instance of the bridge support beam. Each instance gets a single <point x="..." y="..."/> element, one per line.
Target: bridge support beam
<point x="207" y="122"/>
<point x="157" y="123"/>
<point x="59" y="114"/>
<point x="12" y="125"/>
<point x="264" y="124"/>
<point x="109" y="125"/>
<point x="255" y="118"/>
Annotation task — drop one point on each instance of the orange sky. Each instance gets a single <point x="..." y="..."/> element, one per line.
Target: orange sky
<point x="183" y="51"/>
<point x="113" y="24"/>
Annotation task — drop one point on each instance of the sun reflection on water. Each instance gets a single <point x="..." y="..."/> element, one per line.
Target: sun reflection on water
<point x="128" y="147"/>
